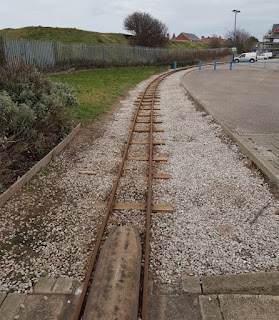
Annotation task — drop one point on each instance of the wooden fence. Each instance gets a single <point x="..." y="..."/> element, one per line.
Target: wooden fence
<point x="53" y="55"/>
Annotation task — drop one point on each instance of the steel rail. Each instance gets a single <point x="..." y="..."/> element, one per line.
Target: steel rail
<point x="148" y="214"/>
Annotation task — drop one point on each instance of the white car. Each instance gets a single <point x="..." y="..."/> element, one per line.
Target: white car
<point x="262" y="56"/>
<point x="246" y="56"/>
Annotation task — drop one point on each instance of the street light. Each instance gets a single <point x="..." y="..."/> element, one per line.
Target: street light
<point x="235" y="13"/>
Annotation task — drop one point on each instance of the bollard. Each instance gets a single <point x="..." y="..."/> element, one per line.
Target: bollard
<point x="200" y="65"/>
<point x="231" y="65"/>
<point x="215" y="65"/>
<point x="174" y="65"/>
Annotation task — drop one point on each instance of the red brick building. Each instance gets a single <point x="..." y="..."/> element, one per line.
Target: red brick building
<point x="222" y="42"/>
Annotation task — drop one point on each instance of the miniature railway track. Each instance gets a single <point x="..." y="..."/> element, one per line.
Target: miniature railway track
<point x="146" y="115"/>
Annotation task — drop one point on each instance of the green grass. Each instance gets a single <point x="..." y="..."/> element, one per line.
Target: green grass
<point x="98" y="89"/>
<point x="66" y="35"/>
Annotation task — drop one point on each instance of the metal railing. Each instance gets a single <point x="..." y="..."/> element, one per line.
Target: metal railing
<point x="55" y="55"/>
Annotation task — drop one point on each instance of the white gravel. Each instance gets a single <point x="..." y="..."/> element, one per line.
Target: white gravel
<point x="49" y="228"/>
<point x="215" y="198"/>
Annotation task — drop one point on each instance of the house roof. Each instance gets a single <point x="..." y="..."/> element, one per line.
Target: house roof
<point x="191" y="36"/>
<point x="274" y="29"/>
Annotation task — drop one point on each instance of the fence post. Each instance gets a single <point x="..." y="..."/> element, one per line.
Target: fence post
<point x="3" y="60"/>
<point x="54" y="50"/>
<point x="22" y="45"/>
<point x="103" y="52"/>
<point x="83" y="52"/>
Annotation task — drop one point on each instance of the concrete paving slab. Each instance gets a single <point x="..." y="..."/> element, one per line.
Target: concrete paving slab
<point x="114" y="292"/>
<point x="210" y="308"/>
<point x="2" y="297"/>
<point x="165" y="307"/>
<point x="191" y="285"/>
<point x="249" y="307"/>
<point x="165" y="288"/>
<point x="252" y="283"/>
<point x="54" y="307"/>
<point x="11" y="305"/>
<point x="44" y="285"/>
<point x="63" y="286"/>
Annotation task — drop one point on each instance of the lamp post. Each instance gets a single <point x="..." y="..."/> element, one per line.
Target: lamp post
<point x="235" y="13"/>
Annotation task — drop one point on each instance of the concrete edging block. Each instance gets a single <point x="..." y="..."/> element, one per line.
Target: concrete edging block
<point x="252" y="283"/>
<point x="6" y="195"/>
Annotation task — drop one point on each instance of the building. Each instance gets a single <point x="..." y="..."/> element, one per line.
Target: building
<point x="221" y="42"/>
<point x="270" y="41"/>
<point x="183" y="36"/>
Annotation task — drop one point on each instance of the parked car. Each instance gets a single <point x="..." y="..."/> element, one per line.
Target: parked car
<point x="262" y="56"/>
<point x="246" y="56"/>
<point x="269" y="55"/>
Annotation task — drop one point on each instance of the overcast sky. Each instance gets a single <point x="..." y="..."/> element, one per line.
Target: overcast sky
<point x="201" y="17"/>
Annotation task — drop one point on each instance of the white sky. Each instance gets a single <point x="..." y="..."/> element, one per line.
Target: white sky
<point x="201" y="17"/>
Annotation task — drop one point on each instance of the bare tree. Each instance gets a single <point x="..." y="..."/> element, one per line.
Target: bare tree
<point x="243" y="40"/>
<point x="147" y="31"/>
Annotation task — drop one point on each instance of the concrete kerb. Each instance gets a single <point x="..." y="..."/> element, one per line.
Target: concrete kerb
<point x="255" y="156"/>
<point x="5" y="196"/>
<point x="248" y="283"/>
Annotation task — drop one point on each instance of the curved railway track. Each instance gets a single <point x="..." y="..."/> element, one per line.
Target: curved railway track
<point x="144" y="122"/>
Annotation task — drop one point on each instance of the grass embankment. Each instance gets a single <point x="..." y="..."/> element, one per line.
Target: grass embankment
<point x="72" y="35"/>
<point x="66" y="35"/>
<point x="98" y="89"/>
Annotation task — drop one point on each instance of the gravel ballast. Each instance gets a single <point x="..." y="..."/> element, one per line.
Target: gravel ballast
<point x="50" y="227"/>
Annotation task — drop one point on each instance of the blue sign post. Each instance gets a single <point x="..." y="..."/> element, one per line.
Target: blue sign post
<point x="200" y="65"/>
<point x="174" y="65"/>
<point x="215" y="63"/>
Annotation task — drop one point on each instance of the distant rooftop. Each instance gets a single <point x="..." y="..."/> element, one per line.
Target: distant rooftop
<point x="191" y="36"/>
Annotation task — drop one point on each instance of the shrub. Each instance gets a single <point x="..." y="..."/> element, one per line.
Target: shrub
<point x="33" y="114"/>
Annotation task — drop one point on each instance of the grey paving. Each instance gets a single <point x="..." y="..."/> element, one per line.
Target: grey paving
<point x="210" y="307"/>
<point x="54" y="307"/>
<point x="249" y="307"/>
<point x="228" y="297"/>
<point x="2" y="297"/>
<point x="11" y="306"/>
<point x="174" y="307"/>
